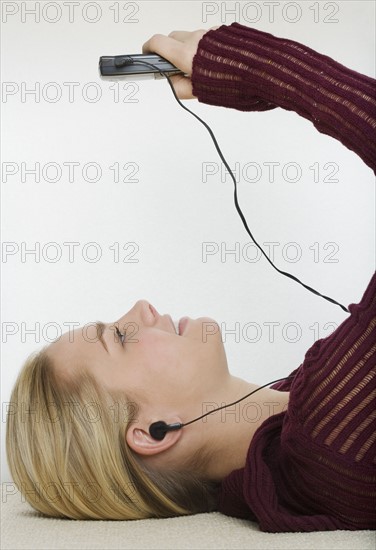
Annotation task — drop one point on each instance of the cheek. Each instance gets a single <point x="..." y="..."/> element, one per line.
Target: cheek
<point x="161" y="354"/>
<point x="167" y="370"/>
<point x="153" y="358"/>
<point x="166" y="363"/>
<point x="155" y="369"/>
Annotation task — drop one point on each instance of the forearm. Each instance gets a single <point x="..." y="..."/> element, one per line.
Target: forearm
<point x="250" y="70"/>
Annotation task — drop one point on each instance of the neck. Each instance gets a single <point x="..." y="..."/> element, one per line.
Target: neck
<point x="227" y="434"/>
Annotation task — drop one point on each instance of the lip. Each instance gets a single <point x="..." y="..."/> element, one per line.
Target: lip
<point x="182" y="324"/>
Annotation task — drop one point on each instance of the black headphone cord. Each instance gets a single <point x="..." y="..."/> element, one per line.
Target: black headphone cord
<point x="131" y="61"/>
<point x="159" y="429"/>
<point x="238" y="400"/>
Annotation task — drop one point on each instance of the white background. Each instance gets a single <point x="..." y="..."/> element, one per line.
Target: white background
<point x="169" y="211"/>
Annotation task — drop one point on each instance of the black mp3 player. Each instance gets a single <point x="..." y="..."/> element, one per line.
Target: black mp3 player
<point x="126" y="67"/>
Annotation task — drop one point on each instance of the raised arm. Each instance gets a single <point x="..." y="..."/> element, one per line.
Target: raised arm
<point x="251" y="70"/>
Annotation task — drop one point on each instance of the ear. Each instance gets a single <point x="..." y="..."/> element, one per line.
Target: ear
<point x="141" y="442"/>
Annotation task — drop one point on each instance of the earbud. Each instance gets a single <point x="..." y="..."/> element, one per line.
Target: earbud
<point x="158" y="430"/>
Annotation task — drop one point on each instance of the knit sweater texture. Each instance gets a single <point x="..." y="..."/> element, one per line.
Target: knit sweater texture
<point x="312" y="467"/>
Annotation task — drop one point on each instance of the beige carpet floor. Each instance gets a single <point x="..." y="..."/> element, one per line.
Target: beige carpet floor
<point x="23" y="528"/>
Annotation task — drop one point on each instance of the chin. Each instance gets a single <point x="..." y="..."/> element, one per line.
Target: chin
<point x="209" y="328"/>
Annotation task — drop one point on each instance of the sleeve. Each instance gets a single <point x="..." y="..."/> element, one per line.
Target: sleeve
<point x="312" y="468"/>
<point x="250" y="70"/>
<point x="361" y="319"/>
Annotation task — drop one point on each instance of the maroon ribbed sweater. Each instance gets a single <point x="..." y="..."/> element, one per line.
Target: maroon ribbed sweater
<point x="311" y="468"/>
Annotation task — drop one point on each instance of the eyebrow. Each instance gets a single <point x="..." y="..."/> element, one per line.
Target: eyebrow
<point x="100" y="329"/>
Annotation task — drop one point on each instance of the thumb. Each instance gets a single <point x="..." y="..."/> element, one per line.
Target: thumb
<point x="170" y="49"/>
<point x="182" y="86"/>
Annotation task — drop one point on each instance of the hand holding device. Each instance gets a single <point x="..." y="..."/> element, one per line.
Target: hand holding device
<point x="179" y="47"/>
<point x="172" y="54"/>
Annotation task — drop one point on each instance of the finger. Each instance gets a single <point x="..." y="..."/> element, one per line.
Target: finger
<point x="181" y="36"/>
<point x="153" y="42"/>
<point x="169" y="48"/>
<point x="182" y="86"/>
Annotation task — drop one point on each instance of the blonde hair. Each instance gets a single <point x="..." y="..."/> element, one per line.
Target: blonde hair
<point x="68" y="456"/>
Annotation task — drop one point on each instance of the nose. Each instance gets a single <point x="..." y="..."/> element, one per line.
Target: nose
<point x="147" y="313"/>
<point x="141" y="314"/>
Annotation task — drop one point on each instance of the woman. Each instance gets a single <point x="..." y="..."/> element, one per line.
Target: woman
<point x="78" y="440"/>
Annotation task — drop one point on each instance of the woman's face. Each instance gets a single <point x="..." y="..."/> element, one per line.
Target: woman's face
<point x="164" y="372"/>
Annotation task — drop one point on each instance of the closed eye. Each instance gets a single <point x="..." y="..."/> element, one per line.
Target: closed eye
<point x="120" y="335"/>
